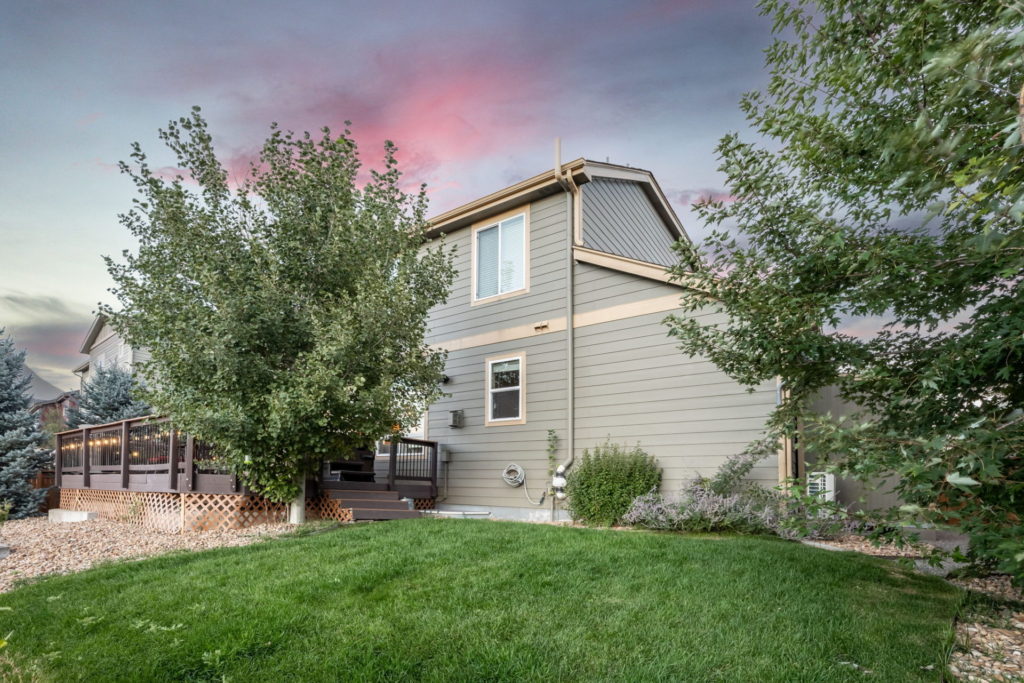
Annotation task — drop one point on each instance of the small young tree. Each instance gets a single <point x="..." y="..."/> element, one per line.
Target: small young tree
<point x="22" y="455"/>
<point x="108" y="396"/>
<point x="895" y="192"/>
<point x="286" y="319"/>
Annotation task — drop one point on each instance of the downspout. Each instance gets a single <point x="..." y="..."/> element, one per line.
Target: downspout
<point x="565" y="179"/>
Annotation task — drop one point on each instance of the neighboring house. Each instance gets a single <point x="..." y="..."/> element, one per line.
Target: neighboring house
<point x="105" y="348"/>
<point x="48" y="401"/>
<point x="555" y="322"/>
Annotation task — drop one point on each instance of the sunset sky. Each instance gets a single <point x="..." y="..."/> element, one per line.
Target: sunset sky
<point x="474" y="94"/>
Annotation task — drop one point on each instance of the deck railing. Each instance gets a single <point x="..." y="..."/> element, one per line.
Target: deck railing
<point x="149" y="454"/>
<point x="140" y="454"/>
<point x="412" y="460"/>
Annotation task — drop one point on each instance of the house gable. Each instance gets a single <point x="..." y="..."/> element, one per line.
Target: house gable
<point x="620" y="218"/>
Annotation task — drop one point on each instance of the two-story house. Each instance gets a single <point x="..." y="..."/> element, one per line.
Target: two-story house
<point x="555" y="322"/>
<point x="105" y="348"/>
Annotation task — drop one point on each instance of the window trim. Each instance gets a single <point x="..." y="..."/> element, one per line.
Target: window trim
<point x="488" y="362"/>
<point x="491" y="222"/>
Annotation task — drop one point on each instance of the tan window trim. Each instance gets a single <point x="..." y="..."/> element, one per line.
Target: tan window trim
<point x="489" y="223"/>
<point x="514" y="355"/>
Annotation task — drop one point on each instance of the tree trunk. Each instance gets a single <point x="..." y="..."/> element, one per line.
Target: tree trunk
<point x="297" y="509"/>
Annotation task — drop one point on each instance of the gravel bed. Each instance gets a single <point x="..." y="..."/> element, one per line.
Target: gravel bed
<point x="862" y="545"/>
<point x="39" y="547"/>
<point x="990" y="649"/>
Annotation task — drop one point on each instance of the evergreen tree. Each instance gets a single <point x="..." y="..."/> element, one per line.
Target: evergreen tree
<point x="21" y="453"/>
<point x="108" y="396"/>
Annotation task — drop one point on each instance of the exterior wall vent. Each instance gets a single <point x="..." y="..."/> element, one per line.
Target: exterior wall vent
<point x="455" y="419"/>
<point x="822" y="485"/>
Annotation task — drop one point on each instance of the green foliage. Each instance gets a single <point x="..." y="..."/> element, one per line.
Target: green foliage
<point x="286" y="318"/>
<point x="601" y="486"/>
<point x="22" y="452"/>
<point x="5" y="512"/>
<point x="725" y="502"/>
<point x="552" y="451"/>
<point x="893" y="192"/>
<point x="109" y="395"/>
<point x="50" y="423"/>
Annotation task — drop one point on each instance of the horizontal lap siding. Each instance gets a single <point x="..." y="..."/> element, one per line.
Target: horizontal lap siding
<point x="598" y="288"/>
<point x="545" y="298"/>
<point x="633" y="385"/>
<point x="478" y="454"/>
<point x="618" y="218"/>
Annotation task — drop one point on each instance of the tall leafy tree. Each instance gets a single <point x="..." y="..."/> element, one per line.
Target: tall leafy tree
<point x="891" y="190"/>
<point x="22" y="452"/>
<point x="109" y="395"/>
<point x="286" y="317"/>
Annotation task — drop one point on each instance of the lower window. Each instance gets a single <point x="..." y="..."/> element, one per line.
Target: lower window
<point x="505" y="390"/>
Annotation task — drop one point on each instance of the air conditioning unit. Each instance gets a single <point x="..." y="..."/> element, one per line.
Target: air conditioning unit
<point x="822" y="485"/>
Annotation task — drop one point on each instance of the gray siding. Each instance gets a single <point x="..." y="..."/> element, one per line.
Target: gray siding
<point x="478" y="453"/>
<point x="549" y="233"/>
<point x="634" y="386"/>
<point x="851" y="492"/>
<point x="598" y="288"/>
<point x="618" y="218"/>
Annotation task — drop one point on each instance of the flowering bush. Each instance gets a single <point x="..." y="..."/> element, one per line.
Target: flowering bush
<point x="701" y="509"/>
<point x="724" y="502"/>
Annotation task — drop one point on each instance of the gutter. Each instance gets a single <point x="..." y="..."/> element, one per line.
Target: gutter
<point x="565" y="179"/>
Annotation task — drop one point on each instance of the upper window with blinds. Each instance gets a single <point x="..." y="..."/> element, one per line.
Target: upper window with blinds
<point x="500" y="258"/>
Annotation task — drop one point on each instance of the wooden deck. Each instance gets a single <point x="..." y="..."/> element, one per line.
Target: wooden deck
<point x="148" y="454"/>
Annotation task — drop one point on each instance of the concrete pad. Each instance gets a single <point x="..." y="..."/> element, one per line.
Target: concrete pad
<point x="4" y="551"/>
<point x="59" y="516"/>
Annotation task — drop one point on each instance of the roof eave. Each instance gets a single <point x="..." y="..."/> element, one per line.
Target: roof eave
<point x="94" y="331"/>
<point x="528" y="190"/>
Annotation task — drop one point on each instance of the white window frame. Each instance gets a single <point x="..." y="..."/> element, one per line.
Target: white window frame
<point x="488" y="364"/>
<point x="491" y="222"/>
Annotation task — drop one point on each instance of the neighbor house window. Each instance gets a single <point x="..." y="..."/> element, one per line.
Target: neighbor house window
<point x="505" y="390"/>
<point x="500" y="257"/>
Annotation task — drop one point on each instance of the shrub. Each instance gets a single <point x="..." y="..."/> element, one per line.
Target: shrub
<point x="604" y="483"/>
<point x="700" y="509"/>
<point x="723" y="503"/>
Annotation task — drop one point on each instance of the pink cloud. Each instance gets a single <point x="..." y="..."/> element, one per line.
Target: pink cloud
<point x="690" y="197"/>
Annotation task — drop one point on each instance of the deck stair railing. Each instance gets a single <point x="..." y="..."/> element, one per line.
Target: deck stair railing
<point x="412" y="460"/>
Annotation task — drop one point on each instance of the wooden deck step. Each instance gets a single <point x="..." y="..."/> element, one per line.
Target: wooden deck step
<point x="373" y="504"/>
<point x="366" y="514"/>
<point x="354" y="486"/>
<point x="364" y="495"/>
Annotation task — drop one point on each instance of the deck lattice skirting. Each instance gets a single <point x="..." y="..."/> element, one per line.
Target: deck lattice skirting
<point x="192" y="511"/>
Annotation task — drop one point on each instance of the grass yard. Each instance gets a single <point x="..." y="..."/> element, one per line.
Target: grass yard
<point x="481" y="600"/>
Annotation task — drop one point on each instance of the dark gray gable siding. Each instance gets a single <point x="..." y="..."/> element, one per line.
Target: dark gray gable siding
<point x="618" y="219"/>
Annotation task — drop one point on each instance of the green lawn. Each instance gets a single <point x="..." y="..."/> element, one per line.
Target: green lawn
<point x="480" y="600"/>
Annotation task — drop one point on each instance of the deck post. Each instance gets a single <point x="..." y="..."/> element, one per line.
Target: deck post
<point x="124" y="454"/>
<point x="393" y="462"/>
<point x="190" y="456"/>
<point x="85" y="457"/>
<point x="58" y="462"/>
<point x="433" y="468"/>
<point x="172" y="460"/>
